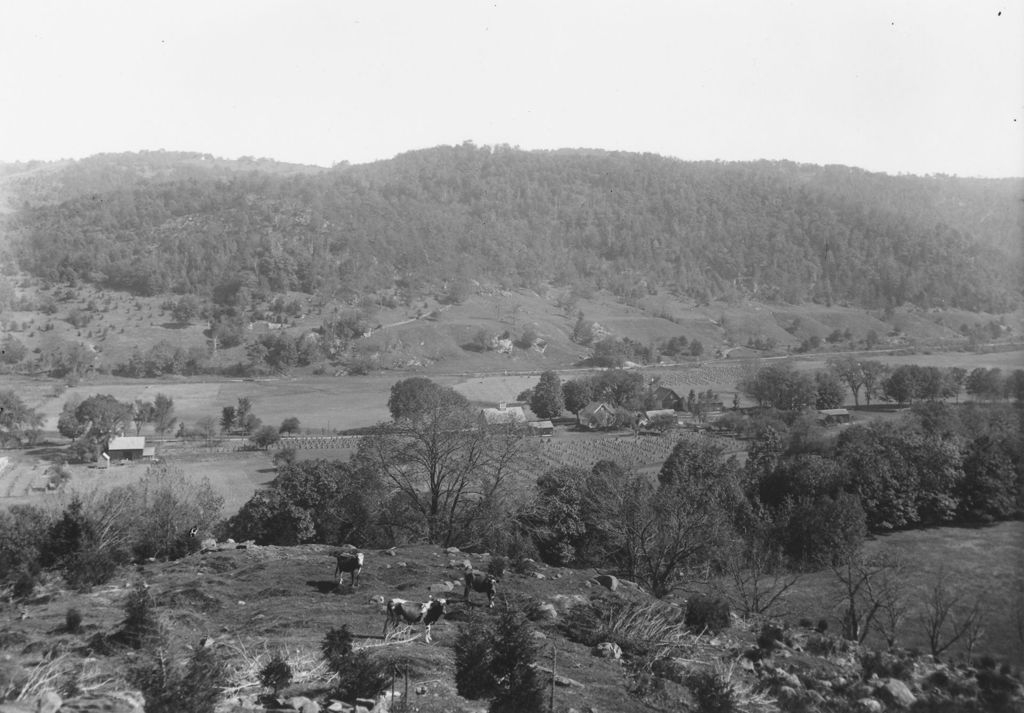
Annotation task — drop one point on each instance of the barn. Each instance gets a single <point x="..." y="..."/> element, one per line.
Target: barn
<point x="832" y="416"/>
<point x="665" y="398"/>
<point x="121" y="448"/>
<point x="504" y="415"/>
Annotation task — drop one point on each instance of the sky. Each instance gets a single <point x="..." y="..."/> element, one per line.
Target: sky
<point x="913" y="86"/>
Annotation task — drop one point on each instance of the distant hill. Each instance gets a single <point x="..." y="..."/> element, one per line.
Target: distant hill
<point x="633" y="224"/>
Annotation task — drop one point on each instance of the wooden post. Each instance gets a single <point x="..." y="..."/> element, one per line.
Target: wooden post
<point x="554" y="653"/>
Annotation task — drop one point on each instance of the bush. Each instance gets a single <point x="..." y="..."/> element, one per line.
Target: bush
<point x="277" y="674"/>
<point x="359" y="675"/>
<point x="141" y="624"/>
<point x="89" y="568"/>
<point x="769" y="635"/>
<point x="709" y="614"/>
<point x="24" y="585"/>
<point x="473" y="677"/>
<point x="73" y="621"/>
<point x="713" y="693"/>
<point x="496" y="567"/>
<point x="169" y="687"/>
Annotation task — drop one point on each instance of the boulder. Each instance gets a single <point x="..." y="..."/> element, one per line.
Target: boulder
<point x="208" y="545"/>
<point x="547" y="611"/>
<point x="452" y="550"/>
<point x="110" y="702"/>
<point x="869" y="705"/>
<point x="303" y="704"/>
<point x="607" y="581"/>
<point x="607" y="650"/>
<point x="440" y="587"/>
<point x="895" y="692"/>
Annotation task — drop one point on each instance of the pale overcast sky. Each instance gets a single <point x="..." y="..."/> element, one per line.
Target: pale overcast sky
<point x="922" y="86"/>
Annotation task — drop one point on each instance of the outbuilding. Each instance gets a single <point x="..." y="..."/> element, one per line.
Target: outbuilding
<point x="129" y="448"/>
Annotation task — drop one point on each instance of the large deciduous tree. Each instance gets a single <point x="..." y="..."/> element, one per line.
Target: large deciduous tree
<point x="576" y="394"/>
<point x="448" y="470"/>
<point x="418" y="395"/>
<point x="546" y="400"/>
<point x="849" y="371"/>
<point x="17" y="421"/>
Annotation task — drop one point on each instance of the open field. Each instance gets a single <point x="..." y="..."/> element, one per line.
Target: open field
<point x="236" y="476"/>
<point x="988" y="562"/>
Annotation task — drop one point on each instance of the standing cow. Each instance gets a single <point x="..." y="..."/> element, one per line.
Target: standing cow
<point x="348" y="562"/>
<point x="480" y="582"/>
<point x="426" y="613"/>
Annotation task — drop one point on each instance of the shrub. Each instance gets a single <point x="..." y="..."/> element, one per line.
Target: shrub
<point x="277" y="674"/>
<point x="359" y="675"/>
<point x="709" y="614"/>
<point x="24" y="585"/>
<point x="169" y="687"/>
<point x="473" y="677"/>
<point x="496" y="567"/>
<point x="337" y="646"/>
<point x="770" y="635"/>
<point x="89" y="568"/>
<point x="73" y="621"/>
<point x="140" y="624"/>
<point x="713" y="693"/>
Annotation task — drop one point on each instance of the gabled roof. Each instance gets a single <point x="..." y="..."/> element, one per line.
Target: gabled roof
<point x="595" y="406"/>
<point x="126" y="443"/>
<point x="509" y="414"/>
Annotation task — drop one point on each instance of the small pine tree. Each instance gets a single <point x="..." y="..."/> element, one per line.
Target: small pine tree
<point x="519" y="688"/>
<point x="277" y="674"/>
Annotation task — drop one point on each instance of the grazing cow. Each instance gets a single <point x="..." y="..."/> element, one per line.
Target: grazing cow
<point x="348" y="562"/>
<point x="411" y="613"/>
<point x="480" y="582"/>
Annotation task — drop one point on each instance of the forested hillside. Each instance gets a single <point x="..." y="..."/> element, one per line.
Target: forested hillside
<point x="633" y="224"/>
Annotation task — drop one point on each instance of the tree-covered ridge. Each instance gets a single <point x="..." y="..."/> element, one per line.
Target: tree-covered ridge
<point x="626" y="222"/>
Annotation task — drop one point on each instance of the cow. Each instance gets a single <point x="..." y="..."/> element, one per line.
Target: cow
<point x="348" y="562"/>
<point x="480" y="582"/>
<point x="427" y="613"/>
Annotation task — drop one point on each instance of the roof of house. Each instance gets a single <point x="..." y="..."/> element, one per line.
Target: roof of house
<point x="660" y="413"/>
<point x="540" y="424"/>
<point x="833" y="412"/>
<point x="665" y="390"/>
<point x="509" y="414"/>
<point x="595" y="406"/>
<point x="126" y="443"/>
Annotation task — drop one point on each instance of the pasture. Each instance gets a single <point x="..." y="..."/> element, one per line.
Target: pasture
<point x="986" y="562"/>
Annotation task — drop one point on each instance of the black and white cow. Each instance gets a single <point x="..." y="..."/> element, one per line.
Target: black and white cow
<point x="480" y="582"/>
<point x="426" y="613"/>
<point x="348" y="562"/>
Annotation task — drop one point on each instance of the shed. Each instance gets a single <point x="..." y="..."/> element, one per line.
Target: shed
<point x="127" y="448"/>
<point x="541" y="428"/>
<point x="830" y="416"/>
<point x="661" y="418"/>
<point x="597" y="414"/>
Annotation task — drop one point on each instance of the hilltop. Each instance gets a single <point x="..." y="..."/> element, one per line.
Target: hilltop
<point x="248" y="602"/>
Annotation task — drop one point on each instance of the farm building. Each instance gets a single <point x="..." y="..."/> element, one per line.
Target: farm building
<point x="541" y="428"/>
<point x="660" y="418"/>
<point x="665" y="398"/>
<point x="504" y="415"/>
<point x="831" y="416"/>
<point x="597" y="414"/>
<point x="129" y="448"/>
